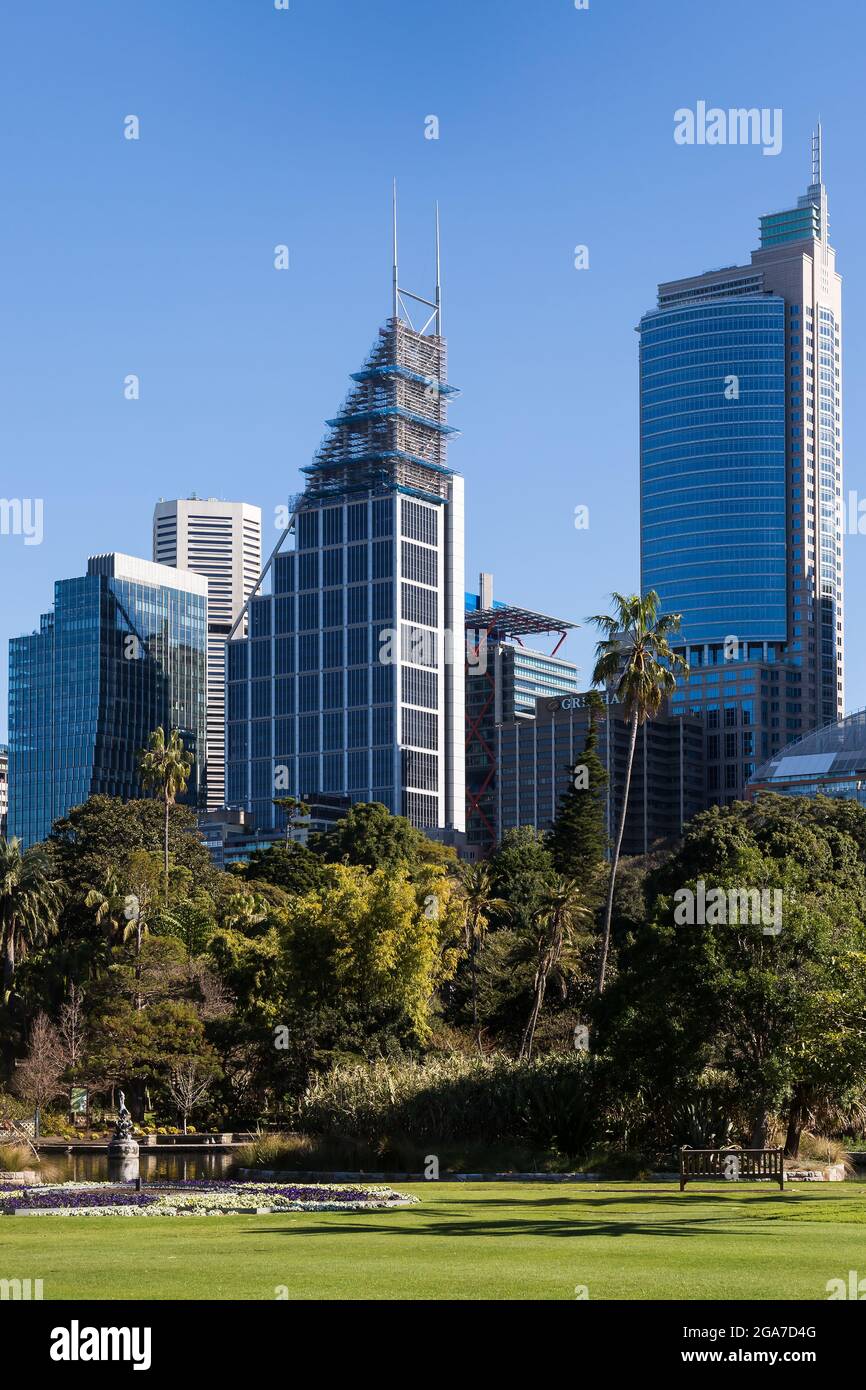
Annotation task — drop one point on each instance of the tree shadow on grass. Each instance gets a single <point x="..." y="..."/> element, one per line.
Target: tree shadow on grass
<point x="366" y="1224"/>
<point x="708" y="1212"/>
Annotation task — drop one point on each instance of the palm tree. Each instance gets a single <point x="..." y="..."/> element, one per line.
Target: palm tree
<point x="557" y="916"/>
<point x="475" y="884"/>
<point x="166" y="767"/>
<point x="634" y="659"/>
<point x="110" y="902"/>
<point x="31" y="894"/>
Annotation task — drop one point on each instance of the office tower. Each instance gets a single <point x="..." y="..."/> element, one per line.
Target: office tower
<point x="4" y="788"/>
<point x="351" y="677"/>
<point x="222" y="541"/>
<point x="741" y="486"/>
<point x="503" y="680"/>
<point x="536" y="760"/>
<point x="122" y="652"/>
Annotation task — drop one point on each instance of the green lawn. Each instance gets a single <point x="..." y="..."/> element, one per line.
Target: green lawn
<point x="465" y="1241"/>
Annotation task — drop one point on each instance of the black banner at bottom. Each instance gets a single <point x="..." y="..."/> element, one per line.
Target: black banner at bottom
<point x="60" y="1339"/>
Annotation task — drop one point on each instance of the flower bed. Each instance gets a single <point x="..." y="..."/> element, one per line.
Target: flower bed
<point x="194" y="1199"/>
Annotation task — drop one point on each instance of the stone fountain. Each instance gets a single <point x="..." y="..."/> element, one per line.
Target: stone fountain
<point x="122" y="1148"/>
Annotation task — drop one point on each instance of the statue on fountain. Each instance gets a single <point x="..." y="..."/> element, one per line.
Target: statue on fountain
<point x="122" y="1143"/>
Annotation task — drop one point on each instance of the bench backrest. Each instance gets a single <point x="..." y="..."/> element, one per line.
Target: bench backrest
<point x="731" y="1163"/>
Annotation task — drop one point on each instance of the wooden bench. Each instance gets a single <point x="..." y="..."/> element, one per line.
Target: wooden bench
<point x="733" y="1165"/>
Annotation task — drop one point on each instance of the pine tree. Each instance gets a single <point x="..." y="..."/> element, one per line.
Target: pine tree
<point x="578" y="840"/>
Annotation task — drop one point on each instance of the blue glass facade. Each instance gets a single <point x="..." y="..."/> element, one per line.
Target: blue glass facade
<point x="713" y="478"/>
<point x="115" y="659"/>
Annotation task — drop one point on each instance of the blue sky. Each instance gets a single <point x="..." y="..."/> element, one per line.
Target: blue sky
<point x="261" y="127"/>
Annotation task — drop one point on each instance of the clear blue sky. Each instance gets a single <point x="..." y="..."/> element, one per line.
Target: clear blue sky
<point x="261" y="127"/>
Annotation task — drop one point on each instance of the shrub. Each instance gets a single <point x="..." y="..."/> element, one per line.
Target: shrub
<point x="551" y="1103"/>
<point x="14" y="1158"/>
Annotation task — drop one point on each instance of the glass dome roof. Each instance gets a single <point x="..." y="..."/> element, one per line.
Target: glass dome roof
<point x="834" y="751"/>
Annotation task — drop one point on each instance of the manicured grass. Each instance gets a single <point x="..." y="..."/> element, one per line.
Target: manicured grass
<point x="466" y="1241"/>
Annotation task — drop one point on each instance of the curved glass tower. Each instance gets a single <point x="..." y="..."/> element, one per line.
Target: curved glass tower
<point x="741" y="488"/>
<point x="713" y="466"/>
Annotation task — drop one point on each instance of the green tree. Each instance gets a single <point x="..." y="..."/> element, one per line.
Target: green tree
<point x="635" y="660"/>
<point x="166" y="768"/>
<point x="31" y="894"/>
<point x="97" y="837"/>
<point x="577" y="839"/>
<point x="292" y="809"/>
<point x="776" y="1006"/>
<point x="557" y="918"/>
<point x="369" y="836"/>
<point x="292" y="867"/>
<point x="365" y="955"/>
<point x="110" y="903"/>
<point x="477" y="902"/>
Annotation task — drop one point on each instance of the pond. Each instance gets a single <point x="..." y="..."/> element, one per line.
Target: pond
<point x="165" y="1166"/>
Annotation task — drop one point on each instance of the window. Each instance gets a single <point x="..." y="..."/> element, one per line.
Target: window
<point x="383" y="517"/>
<point x="308" y="733"/>
<point x="261" y="699"/>
<point x="307" y="525"/>
<point x="357" y="563"/>
<point x="420" y="770"/>
<point x="332" y="649"/>
<point x="332" y="731"/>
<point x="358" y="728"/>
<point x="261" y="658"/>
<point x="284" y="695"/>
<point x="357" y="519"/>
<point x="308" y="652"/>
<point x="308" y="571"/>
<point x="357" y="606"/>
<point x="419" y="521"/>
<point x="260" y="617"/>
<point x="420" y="728"/>
<point x="357" y="687"/>
<point x="332" y="518"/>
<point x="284" y="652"/>
<point x="332" y="608"/>
<point x="332" y="690"/>
<point x="284" y="614"/>
<point x="418" y="563"/>
<point x="332" y="568"/>
<point x="419" y="605"/>
<point x="419" y="687"/>
<point x="308" y="612"/>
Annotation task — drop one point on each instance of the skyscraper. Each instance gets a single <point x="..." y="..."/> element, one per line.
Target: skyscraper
<point x="351" y="677"/>
<point x="122" y="652"/>
<point x="741" y="486"/>
<point x="222" y="541"/>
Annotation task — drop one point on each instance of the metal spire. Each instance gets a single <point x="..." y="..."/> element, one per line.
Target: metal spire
<point x="396" y="295"/>
<point x="817" y="155"/>
<point x="438" y="277"/>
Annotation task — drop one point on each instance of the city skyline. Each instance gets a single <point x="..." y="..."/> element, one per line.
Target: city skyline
<point x="508" y="261"/>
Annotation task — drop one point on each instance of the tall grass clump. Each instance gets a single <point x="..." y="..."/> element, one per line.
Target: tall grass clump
<point x="549" y="1103"/>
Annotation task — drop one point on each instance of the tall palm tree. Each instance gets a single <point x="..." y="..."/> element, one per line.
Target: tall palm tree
<point x="31" y="895"/>
<point x="475" y="885"/>
<point x="634" y="659"/>
<point x="166" y="767"/>
<point x="557" y="916"/>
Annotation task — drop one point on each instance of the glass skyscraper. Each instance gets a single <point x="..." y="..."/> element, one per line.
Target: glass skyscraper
<point x="351" y="677"/>
<point x="123" y="651"/>
<point x="741" y="486"/>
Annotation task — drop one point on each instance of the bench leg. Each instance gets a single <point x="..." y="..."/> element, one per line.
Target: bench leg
<point x="682" y="1182"/>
